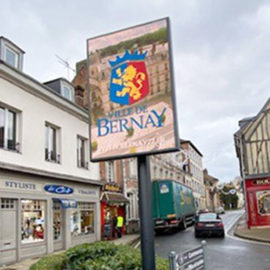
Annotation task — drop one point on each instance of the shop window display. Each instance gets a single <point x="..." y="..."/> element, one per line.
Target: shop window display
<point x="57" y="221"/>
<point x="82" y="219"/>
<point x="33" y="221"/>
<point x="263" y="198"/>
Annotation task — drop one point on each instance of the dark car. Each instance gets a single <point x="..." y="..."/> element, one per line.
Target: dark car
<point x="208" y="224"/>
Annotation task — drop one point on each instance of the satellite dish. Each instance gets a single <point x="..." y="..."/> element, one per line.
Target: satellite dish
<point x="232" y="191"/>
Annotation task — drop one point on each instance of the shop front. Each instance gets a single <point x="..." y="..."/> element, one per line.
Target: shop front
<point x="258" y="201"/>
<point x="39" y="215"/>
<point x="112" y="204"/>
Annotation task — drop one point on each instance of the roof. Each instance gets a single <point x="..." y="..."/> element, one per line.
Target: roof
<point x="59" y="79"/>
<point x="248" y="121"/>
<point x="13" y="44"/>
<point x="194" y="147"/>
<point x="45" y="87"/>
<point x="110" y="197"/>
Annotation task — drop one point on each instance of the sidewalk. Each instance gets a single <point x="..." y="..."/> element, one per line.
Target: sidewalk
<point x="129" y="239"/>
<point x="255" y="234"/>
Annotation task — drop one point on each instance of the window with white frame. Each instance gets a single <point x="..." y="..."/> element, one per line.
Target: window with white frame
<point x="52" y="147"/>
<point x="8" y="129"/>
<point x="33" y="221"/>
<point x="82" y="219"/>
<point x="67" y="91"/>
<point x="133" y="167"/>
<point x="110" y="171"/>
<point x="132" y="210"/>
<point x="82" y="152"/>
<point x="155" y="172"/>
<point x="11" y="57"/>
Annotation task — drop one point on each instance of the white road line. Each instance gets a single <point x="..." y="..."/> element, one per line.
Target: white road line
<point x="242" y="239"/>
<point x="228" y="228"/>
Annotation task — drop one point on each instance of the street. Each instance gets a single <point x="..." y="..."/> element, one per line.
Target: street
<point x="229" y="253"/>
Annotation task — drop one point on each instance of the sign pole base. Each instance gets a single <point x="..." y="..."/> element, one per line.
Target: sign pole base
<point x="145" y="208"/>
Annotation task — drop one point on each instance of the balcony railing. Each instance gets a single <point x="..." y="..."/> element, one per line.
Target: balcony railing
<point x="52" y="156"/>
<point x="83" y="164"/>
<point x="11" y="145"/>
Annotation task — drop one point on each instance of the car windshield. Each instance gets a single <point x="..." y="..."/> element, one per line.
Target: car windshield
<point x="207" y="217"/>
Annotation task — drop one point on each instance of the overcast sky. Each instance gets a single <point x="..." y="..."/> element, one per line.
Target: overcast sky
<point x="220" y="49"/>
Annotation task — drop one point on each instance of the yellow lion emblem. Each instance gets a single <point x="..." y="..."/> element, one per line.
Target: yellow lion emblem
<point x="127" y="78"/>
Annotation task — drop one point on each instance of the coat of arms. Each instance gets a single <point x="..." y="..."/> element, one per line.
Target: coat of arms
<point x="129" y="80"/>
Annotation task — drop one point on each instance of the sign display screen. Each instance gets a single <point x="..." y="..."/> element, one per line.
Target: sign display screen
<point x="131" y="92"/>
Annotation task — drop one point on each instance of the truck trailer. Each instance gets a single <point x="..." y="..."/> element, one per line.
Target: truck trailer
<point x="173" y="205"/>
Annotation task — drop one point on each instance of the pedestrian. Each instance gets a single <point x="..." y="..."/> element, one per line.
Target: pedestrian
<point x="115" y="226"/>
<point x="119" y="225"/>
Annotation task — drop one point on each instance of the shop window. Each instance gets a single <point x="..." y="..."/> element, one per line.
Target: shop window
<point x="57" y="221"/>
<point x="33" y="221"/>
<point x="52" y="147"/>
<point x="263" y="198"/>
<point x="81" y="153"/>
<point x="7" y="204"/>
<point x="8" y="129"/>
<point x="82" y="219"/>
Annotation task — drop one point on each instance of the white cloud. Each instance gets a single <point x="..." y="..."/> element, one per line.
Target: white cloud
<point x="221" y="57"/>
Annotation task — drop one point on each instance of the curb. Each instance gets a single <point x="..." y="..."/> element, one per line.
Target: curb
<point x="134" y="241"/>
<point x="233" y="230"/>
<point x="251" y="238"/>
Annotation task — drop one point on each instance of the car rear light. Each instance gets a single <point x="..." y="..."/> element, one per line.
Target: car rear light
<point x="174" y="221"/>
<point x="200" y="224"/>
<point x="220" y="225"/>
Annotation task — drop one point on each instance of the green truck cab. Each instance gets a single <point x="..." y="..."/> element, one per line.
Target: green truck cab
<point x="173" y="205"/>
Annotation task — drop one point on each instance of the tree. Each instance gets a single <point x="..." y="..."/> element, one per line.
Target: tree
<point x="229" y="200"/>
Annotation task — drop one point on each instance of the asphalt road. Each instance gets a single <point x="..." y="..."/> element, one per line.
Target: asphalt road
<point x="230" y="253"/>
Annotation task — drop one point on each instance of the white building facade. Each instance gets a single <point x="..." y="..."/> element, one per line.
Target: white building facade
<point x="49" y="191"/>
<point x="195" y="168"/>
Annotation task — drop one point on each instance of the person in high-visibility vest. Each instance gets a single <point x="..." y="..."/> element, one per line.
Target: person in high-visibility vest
<point x="119" y="225"/>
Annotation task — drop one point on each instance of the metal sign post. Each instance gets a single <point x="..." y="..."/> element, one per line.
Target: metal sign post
<point x="193" y="259"/>
<point x="145" y="207"/>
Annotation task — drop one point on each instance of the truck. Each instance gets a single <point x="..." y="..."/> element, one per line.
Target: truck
<point x="173" y="205"/>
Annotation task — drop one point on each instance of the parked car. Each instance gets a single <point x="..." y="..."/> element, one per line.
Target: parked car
<point x="220" y="210"/>
<point x="208" y="224"/>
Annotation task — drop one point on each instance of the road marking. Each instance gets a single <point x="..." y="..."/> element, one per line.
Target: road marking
<point x="239" y="238"/>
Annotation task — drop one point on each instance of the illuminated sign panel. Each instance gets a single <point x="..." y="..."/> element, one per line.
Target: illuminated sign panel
<point x="131" y="92"/>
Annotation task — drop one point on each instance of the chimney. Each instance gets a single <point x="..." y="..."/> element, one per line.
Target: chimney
<point x="79" y="95"/>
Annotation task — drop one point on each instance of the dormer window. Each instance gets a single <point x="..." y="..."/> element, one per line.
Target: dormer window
<point x="67" y="91"/>
<point x="10" y="53"/>
<point x="11" y="57"/>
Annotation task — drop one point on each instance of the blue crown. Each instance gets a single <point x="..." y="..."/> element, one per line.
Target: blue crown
<point x="128" y="56"/>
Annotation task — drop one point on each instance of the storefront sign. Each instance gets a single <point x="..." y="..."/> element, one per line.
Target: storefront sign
<point x="57" y="189"/>
<point x="132" y="92"/>
<point x="87" y="192"/>
<point x="65" y="203"/>
<point x="113" y="188"/>
<point x="261" y="182"/>
<point x="18" y="185"/>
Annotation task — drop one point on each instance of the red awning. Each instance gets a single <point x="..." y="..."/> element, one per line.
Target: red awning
<point x="117" y="198"/>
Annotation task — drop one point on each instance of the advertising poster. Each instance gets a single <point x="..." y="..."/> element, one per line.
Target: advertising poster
<point x="131" y="92"/>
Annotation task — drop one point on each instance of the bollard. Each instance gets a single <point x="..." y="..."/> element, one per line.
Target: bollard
<point x="172" y="260"/>
<point x="204" y="243"/>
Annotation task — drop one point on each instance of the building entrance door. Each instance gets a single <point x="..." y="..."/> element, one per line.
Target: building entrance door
<point x="8" y="235"/>
<point x="58" y="226"/>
